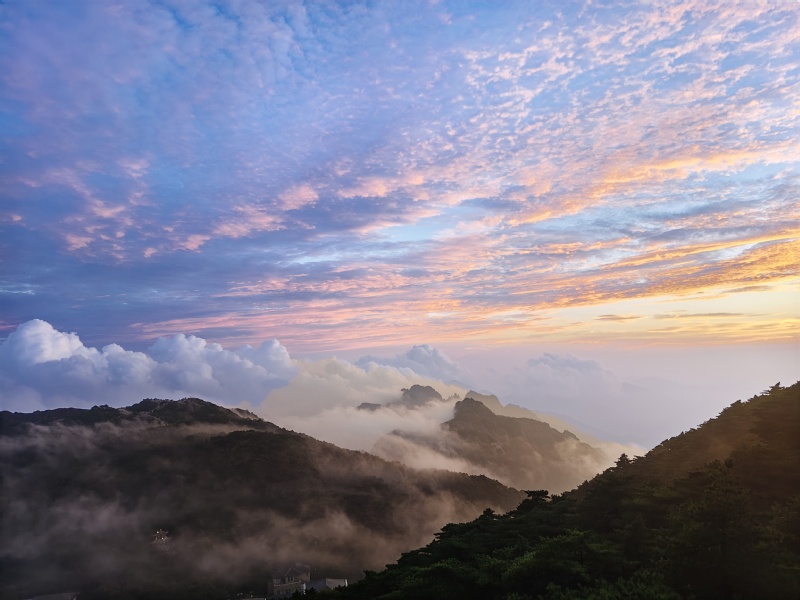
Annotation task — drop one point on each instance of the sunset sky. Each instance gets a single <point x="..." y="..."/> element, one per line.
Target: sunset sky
<point x="499" y="182"/>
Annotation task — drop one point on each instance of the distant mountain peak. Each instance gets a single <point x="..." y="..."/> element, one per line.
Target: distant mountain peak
<point x="490" y="401"/>
<point x="419" y="395"/>
<point x="520" y="451"/>
<point x="414" y="397"/>
<point x="191" y="410"/>
<point x="471" y="406"/>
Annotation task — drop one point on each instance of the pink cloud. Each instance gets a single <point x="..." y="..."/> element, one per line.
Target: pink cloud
<point x="249" y="219"/>
<point x="298" y="196"/>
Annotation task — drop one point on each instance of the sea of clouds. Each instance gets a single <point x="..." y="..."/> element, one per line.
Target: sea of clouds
<point x="42" y="368"/>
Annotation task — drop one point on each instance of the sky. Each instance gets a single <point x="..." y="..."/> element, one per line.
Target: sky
<point x="588" y="208"/>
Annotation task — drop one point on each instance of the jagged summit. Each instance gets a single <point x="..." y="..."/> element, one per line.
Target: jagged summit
<point x="414" y="397"/>
<point x="474" y="414"/>
<point x="419" y="395"/>
<point x="471" y="405"/>
<point x="512" y="410"/>
<point x="490" y="401"/>
<point x="521" y="452"/>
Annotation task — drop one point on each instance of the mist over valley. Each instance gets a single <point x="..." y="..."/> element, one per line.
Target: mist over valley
<point x="86" y="490"/>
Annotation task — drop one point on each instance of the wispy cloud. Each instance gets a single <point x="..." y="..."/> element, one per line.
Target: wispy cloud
<point x="620" y="318"/>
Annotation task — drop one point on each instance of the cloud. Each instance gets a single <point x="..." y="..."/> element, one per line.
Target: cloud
<point x="41" y="367"/>
<point x="298" y="196"/>
<point x="685" y="315"/>
<point x="432" y="455"/>
<point x="559" y="375"/>
<point x="620" y="318"/>
<point x="599" y="402"/>
<point x="355" y="429"/>
<point x="248" y="220"/>
<point x="423" y="360"/>
<point x="322" y="400"/>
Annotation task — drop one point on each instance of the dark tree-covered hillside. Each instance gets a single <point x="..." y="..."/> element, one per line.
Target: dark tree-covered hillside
<point x="189" y="499"/>
<point x="713" y="513"/>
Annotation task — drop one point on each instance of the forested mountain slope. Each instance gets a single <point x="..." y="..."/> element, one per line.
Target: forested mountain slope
<point x="186" y="498"/>
<point x="713" y="513"/>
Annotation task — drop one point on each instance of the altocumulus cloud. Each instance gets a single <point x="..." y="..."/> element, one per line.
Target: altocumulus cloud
<point x="41" y="367"/>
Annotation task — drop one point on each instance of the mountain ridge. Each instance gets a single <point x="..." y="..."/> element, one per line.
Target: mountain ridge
<point x="85" y="491"/>
<point x="724" y="524"/>
<point x="186" y="411"/>
<point x="521" y="452"/>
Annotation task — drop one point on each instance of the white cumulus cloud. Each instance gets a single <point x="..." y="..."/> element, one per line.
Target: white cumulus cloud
<point x="41" y="367"/>
<point x="423" y="360"/>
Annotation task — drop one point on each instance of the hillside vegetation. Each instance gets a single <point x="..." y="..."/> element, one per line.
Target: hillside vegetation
<point x="189" y="499"/>
<point x="713" y="513"/>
